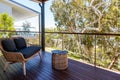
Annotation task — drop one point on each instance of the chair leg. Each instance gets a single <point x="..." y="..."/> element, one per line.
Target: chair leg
<point x="40" y="55"/>
<point x="6" y="65"/>
<point x="24" y="68"/>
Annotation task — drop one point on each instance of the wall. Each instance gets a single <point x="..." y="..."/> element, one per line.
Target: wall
<point x="5" y="8"/>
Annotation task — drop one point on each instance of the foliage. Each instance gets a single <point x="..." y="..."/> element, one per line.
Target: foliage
<point x="90" y="16"/>
<point x="26" y="26"/>
<point x="6" y="23"/>
<point x="52" y="40"/>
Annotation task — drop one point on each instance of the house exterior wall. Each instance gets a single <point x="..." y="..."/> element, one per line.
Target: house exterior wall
<point x="5" y="9"/>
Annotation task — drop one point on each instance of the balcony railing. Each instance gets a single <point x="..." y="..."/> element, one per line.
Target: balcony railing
<point x="97" y="49"/>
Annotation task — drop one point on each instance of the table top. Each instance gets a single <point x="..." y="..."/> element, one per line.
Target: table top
<point x="59" y="52"/>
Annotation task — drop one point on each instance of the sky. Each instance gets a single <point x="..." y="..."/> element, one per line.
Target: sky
<point x="49" y="19"/>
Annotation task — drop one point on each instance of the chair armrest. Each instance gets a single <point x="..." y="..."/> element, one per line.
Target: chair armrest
<point x="13" y="56"/>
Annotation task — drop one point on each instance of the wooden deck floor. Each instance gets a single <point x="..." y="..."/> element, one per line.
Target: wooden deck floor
<point x="37" y="70"/>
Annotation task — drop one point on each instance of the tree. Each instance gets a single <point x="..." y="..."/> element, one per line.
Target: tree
<point x="90" y="16"/>
<point x="6" y="23"/>
<point x="26" y="26"/>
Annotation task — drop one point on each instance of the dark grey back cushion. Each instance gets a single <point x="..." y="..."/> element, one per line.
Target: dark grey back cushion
<point x="20" y="43"/>
<point x="8" y="45"/>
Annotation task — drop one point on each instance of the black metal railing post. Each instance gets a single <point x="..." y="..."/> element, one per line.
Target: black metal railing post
<point x="95" y="44"/>
<point x="62" y="41"/>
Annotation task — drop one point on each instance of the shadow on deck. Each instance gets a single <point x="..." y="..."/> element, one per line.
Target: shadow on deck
<point x="37" y="70"/>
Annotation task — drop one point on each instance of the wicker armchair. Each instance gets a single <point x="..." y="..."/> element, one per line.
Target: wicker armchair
<point x="18" y="55"/>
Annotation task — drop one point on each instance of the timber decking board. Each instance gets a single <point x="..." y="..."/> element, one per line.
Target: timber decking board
<point x="42" y="70"/>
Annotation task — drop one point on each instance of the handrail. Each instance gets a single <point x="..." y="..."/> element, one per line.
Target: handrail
<point x="111" y="34"/>
<point x="114" y="34"/>
<point x="18" y="31"/>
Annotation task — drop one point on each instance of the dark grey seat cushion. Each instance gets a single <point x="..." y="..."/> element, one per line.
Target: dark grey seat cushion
<point x="20" y="43"/>
<point x="29" y="51"/>
<point x="8" y="45"/>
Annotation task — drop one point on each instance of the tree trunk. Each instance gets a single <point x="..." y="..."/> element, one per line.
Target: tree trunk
<point x="113" y="60"/>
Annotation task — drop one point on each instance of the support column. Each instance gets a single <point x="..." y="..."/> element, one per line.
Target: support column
<point x="42" y="26"/>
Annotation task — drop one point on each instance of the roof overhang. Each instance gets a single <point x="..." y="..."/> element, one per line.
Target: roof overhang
<point x="19" y="11"/>
<point x="39" y="1"/>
